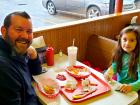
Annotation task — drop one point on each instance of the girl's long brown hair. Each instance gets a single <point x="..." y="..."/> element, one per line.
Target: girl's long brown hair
<point x="134" y="56"/>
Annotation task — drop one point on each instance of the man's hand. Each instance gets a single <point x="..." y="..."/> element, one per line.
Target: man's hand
<point x="32" y="53"/>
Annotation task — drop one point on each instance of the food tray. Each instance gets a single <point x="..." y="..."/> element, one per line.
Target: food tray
<point x="102" y="87"/>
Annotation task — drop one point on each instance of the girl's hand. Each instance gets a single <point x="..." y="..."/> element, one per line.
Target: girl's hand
<point x="125" y="88"/>
<point x="108" y="76"/>
<point x="32" y="53"/>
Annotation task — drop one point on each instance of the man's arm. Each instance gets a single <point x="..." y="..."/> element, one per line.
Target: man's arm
<point x="34" y="62"/>
<point x="10" y="85"/>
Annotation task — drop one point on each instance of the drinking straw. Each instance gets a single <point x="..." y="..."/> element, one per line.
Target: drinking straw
<point x="73" y="41"/>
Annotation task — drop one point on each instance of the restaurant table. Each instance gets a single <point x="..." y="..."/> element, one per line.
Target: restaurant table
<point x="109" y="98"/>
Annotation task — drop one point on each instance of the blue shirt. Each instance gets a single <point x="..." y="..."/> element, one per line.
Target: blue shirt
<point x="15" y="77"/>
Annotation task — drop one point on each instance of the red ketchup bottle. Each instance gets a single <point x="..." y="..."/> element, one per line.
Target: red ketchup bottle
<point x="50" y="56"/>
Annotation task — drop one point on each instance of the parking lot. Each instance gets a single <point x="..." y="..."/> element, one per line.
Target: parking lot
<point x="39" y="14"/>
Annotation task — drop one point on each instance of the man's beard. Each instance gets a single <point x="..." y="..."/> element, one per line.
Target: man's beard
<point x="20" y="45"/>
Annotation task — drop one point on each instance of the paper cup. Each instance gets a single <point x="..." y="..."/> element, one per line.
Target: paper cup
<point x="72" y="55"/>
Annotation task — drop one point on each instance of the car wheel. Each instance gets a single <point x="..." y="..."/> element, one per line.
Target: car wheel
<point x="51" y="8"/>
<point x="93" y="11"/>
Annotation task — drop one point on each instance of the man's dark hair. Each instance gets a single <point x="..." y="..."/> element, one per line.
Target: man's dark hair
<point x="7" y="20"/>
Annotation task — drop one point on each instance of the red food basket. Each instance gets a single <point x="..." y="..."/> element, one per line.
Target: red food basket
<point x="51" y="82"/>
<point x="82" y="72"/>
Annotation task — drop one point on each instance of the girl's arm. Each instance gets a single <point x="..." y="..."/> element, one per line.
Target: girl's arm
<point x="109" y="74"/>
<point x="136" y="85"/>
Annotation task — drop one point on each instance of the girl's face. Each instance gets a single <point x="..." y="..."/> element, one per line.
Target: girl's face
<point x="128" y="42"/>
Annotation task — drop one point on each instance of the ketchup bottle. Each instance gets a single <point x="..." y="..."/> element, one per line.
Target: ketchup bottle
<point x="50" y="56"/>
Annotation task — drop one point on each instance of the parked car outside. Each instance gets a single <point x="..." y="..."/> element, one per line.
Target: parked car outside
<point x="85" y="8"/>
<point x="137" y="3"/>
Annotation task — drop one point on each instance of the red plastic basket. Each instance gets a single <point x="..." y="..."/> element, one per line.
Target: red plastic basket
<point x="79" y="76"/>
<point x="56" y="87"/>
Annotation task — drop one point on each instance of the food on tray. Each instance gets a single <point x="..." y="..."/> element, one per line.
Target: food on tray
<point x="85" y="84"/>
<point x="78" y="71"/>
<point x="84" y="94"/>
<point x="70" y="85"/>
<point x="48" y="86"/>
<point x="49" y="89"/>
<point x="61" y="77"/>
<point x="96" y="85"/>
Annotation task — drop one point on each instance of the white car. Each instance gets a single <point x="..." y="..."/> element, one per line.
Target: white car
<point x="85" y="8"/>
<point x="137" y="3"/>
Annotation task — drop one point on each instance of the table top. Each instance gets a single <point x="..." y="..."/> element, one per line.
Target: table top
<point x="110" y="98"/>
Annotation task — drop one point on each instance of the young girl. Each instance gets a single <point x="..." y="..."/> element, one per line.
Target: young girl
<point x="126" y="62"/>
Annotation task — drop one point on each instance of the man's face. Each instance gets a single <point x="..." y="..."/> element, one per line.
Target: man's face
<point x="20" y="33"/>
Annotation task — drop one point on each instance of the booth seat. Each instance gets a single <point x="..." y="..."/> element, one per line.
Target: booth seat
<point x="99" y="52"/>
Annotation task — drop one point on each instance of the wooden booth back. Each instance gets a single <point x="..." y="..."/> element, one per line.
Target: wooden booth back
<point x="99" y="51"/>
<point x="60" y="36"/>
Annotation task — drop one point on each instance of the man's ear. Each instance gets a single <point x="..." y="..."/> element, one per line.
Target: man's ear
<point x="3" y="31"/>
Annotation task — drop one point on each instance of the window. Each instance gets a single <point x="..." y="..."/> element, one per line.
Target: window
<point x="50" y="12"/>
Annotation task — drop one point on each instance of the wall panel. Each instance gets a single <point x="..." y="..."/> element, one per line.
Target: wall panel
<point x="61" y="36"/>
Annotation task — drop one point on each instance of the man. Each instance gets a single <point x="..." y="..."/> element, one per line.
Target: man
<point x="18" y="61"/>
